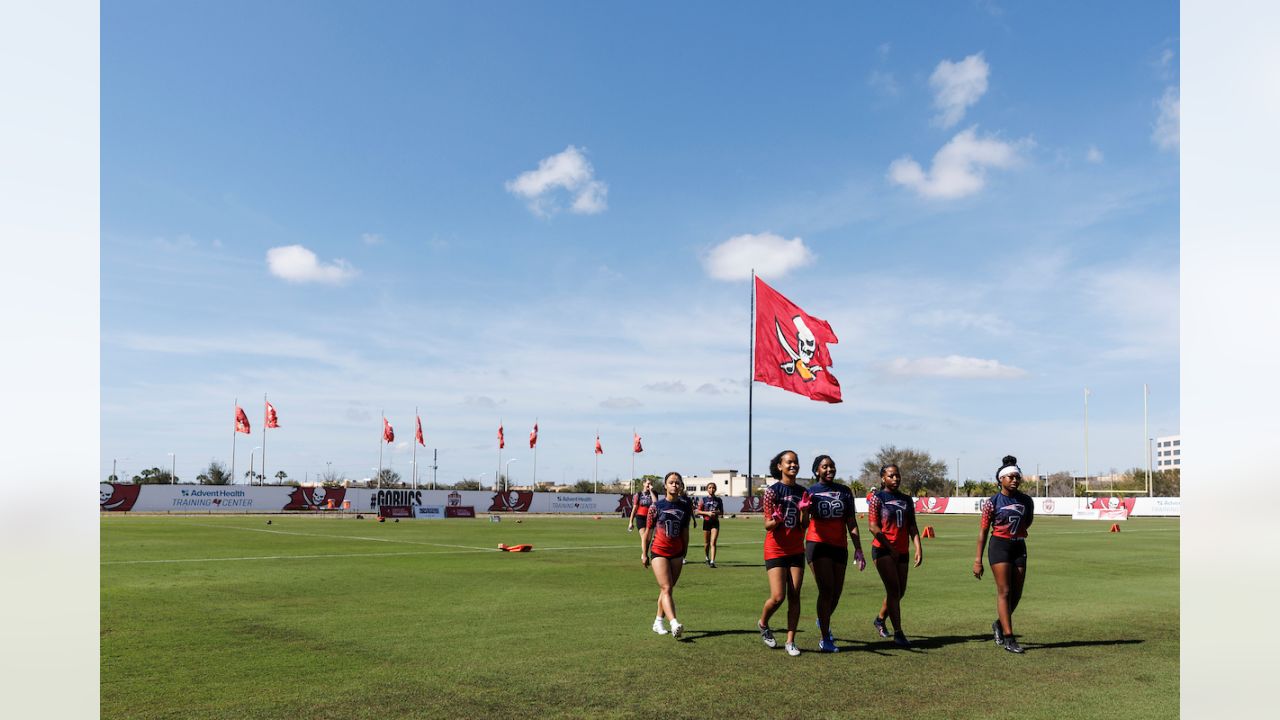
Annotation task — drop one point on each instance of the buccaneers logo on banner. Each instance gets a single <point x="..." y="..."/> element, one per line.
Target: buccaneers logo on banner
<point x="791" y="347"/>
<point x="117" y="497"/>
<point x="315" y="498"/>
<point x="624" y="504"/>
<point x="931" y="504"/>
<point x="511" y="501"/>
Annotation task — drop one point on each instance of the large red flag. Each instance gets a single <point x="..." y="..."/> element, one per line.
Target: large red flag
<point x="388" y="433"/>
<point x="501" y="441"/>
<point x="635" y="444"/>
<point x="533" y="436"/>
<point x="418" y="434"/>
<point x="791" y="347"/>
<point x="599" y="450"/>
<point x="272" y="420"/>
<point x="242" y="421"/>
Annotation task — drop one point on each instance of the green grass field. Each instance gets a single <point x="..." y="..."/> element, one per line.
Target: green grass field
<point x="311" y="617"/>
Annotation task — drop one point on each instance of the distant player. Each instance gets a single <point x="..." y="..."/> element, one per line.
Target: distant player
<point x="784" y="520"/>
<point x="831" y="516"/>
<point x="1006" y="516"/>
<point x="640" y="513"/>
<point x="891" y="518"/>
<point x="668" y="519"/>
<point x="711" y="508"/>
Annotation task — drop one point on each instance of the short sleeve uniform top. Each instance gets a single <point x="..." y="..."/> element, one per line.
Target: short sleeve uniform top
<point x="668" y="520"/>
<point x="787" y="537"/>
<point x="895" y="513"/>
<point x="643" y="501"/>
<point x="1008" y="517"/>
<point x="712" y="504"/>
<point x="831" y="514"/>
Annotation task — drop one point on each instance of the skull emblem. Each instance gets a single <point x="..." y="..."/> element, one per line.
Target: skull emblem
<point x="806" y="343"/>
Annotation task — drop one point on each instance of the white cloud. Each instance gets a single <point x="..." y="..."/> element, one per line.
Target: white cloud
<point x="620" y="403"/>
<point x="1168" y="121"/>
<point x="708" y="389"/>
<point x="959" y="167"/>
<point x="954" y="366"/>
<point x="771" y="255"/>
<point x="1093" y="154"/>
<point x="962" y="320"/>
<point x="956" y="86"/>
<point x="884" y="82"/>
<point x="666" y="387"/>
<point x="371" y="238"/>
<point x="568" y="170"/>
<point x="296" y="264"/>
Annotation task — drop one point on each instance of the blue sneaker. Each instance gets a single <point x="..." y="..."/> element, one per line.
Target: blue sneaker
<point x="827" y="645"/>
<point x="900" y="639"/>
<point x="880" y="628"/>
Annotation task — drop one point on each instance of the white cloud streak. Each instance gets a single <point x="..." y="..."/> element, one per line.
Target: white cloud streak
<point x="569" y="171"/>
<point x="959" y="168"/>
<point x="957" y="86"/>
<point x="771" y="256"/>
<point x="296" y="264"/>
<point x="1168" y="120"/>
<point x="1093" y="155"/>
<point x="954" y="366"/>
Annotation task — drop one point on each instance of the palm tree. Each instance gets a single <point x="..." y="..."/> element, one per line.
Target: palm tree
<point x="280" y="476"/>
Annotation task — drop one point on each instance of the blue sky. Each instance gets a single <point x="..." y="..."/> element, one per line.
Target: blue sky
<point x="510" y="211"/>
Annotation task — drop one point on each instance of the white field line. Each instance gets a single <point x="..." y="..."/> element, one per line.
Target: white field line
<point x="285" y="557"/>
<point x="345" y="537"/>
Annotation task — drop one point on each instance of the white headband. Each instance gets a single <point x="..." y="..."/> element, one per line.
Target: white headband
<point x="1008" y="470"/>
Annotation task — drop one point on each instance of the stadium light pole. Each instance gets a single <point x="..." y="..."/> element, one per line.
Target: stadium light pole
<point x="252" y="472"/>
<point x="173" y="468"/>
<point x="506" y="479"/>
<point x="480" y="482"/>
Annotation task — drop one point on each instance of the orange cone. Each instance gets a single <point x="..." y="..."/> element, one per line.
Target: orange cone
<point x="1115" y="527"/>
<point x="928" y="532"/>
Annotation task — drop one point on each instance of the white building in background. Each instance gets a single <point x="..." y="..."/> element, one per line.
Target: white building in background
<point x="1168" y="453"/>
<point x="728" y="483"/>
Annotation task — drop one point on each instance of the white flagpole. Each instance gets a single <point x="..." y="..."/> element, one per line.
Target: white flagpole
<point x="1146" y="447"/>
<point x="535" y="458"/>
<point x="235" y="419"/>
<point x="1086" y="440"/>
<point x="382" y="438"/>
<point x="417" y="420"/>
<point x="595" y="473"/>
<point x="263" y="478"/>
<point x="633" y="456"/>
<point x="498" y="472"/>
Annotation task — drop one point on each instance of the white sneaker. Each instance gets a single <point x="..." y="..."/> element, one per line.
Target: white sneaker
<point x="792" y="650"/>
<point x="658" y="627"/>
<point x="766" y="635"/>
<point x="677" y="629"/>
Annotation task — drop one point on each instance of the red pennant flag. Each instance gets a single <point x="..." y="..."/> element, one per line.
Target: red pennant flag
<point x="635" y="444"/>
<point x="242" y="421"/>
<point x="272" y="420"/>
<point x="388" y="433"/>
<point x="501" y="441"/>
<point x="791" y="347"/>
<point x="599" y="450"/>
<point x="418" y="434"/>
<point x="533" y="436"/>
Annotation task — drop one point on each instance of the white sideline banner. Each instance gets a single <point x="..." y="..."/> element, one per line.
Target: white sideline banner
<point x="124" y="497"/>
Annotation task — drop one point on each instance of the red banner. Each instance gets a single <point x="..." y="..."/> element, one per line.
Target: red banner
<point x="271" y="420"/>
<point x="791" y="347"/>
<point x="636" y="446"/>
<point x="931" y="504"/>
<point x="388" y="433"/>
<point x="1112" y="503"/>
<point x="418" y="435"/>
<point x="460" y="511"/>
<point x="511" y="501"/>
<point x="315" y="498"/>
<point x="753" y="504"/>
<point x="242" y="421"/>
<point x="599" y="450"/>
<point x="117" y="497"/>
<point x="533" y="437"/>
<point x="501" y="442"/>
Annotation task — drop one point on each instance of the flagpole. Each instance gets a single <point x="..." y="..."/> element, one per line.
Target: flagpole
<point x="1146" y="448"/>
<point x="263" y="477"/>
<point x="500" y="444"/>
<point x="534" y="485"/>
<point x="236" y="403"/>
<point x="382" y="439"/>
<point x="415" y="448"/>
<point x="633" y="456"/>
<point x="751" y="369"/>
<point x="595" y="473"/>
<point x="1086" y="440"/>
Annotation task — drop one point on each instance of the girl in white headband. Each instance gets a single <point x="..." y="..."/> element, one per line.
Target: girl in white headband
<point x="1006" y="517"/>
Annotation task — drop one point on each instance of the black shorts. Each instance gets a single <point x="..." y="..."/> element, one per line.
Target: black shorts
<point x="711" y="524"/>
<point x="813" y="550"/>
<point x="1004" y="550"/>
<point x="878" y="552"/>
<point x="785" y="561"/>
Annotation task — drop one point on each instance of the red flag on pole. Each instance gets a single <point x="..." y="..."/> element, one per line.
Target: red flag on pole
<point x="635" y="444"/>
<point x="242" y="421"/>
<point x="791" y="347"/>
<point x="533" y="436"/>
<point x="418" y="434"/>
<point x="599" y="450"/>
<point x="501" y="441"/>
<point x="272" y="420"/>
<point x="388" y="433"/>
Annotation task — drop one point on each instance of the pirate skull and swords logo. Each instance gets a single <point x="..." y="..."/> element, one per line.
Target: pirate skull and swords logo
<point x="806" y="345"/>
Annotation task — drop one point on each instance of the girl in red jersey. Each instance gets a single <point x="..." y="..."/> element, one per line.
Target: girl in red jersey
<point x="831" y="515"/>
<point x="640" y="513"/>
<point x="711" y="508"/>
<point x="891" y="516"/>
<point x="785" y="514"/>
<point x="1006" y="515"/>
<point x="669" y="527"/>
